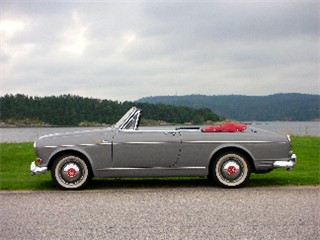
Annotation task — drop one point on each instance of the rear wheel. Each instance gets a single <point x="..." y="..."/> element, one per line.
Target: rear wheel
<point x="70" y="172"/>
<point x="230" y="169"/>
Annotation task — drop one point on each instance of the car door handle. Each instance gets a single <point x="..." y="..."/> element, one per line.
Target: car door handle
<point x="103" y="142"/>
<point x="170" y="133"/>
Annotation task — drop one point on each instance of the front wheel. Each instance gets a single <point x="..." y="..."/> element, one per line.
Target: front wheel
<point x="70" y="172"/>
<point x="230" y="170"/>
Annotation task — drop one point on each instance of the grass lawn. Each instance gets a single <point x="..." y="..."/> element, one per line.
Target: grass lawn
<point x="15" y="159"/>
<point x="306" y="172"/>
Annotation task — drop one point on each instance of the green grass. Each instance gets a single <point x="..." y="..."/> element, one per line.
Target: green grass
<point x="306" y="172"/>
<point x="15" y="159"/>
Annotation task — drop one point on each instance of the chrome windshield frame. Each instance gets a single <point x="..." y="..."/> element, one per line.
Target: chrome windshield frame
<point x="133" y="114"/>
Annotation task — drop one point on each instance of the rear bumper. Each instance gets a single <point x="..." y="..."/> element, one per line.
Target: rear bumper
<point x="286" y="164"/>
<point x="37" y="170"/>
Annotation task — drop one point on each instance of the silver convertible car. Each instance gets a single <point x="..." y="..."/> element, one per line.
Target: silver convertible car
<point x="226" y="155"/>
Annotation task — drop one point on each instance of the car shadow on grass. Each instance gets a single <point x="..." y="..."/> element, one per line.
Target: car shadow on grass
<point x="272" y="181"/>
<point x="44" y="185"/>
<point x="175" y="183"/>
<point x="146" y="183"/>
<point x="149" y="183"/>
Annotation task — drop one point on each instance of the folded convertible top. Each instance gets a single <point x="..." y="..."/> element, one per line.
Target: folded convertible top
<point x="225" y="127"/>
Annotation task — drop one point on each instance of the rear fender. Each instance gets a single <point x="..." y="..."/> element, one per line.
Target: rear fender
<point x="232" y="148"/>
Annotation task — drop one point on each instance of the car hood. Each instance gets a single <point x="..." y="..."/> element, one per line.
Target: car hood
<point x="77" y="137"/>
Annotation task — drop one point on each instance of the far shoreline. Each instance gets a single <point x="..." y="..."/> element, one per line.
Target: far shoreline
<point x="44" y="125"/>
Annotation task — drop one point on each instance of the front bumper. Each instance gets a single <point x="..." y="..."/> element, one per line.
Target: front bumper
<point x="37" y="170"/>
<point x="286" y="164"/>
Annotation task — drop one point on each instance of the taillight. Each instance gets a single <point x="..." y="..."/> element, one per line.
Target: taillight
<point x="38" y="160"/>
<point x="289" y="139"/>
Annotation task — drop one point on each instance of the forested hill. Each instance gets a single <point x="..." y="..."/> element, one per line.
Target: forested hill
<point x="69" y="110"/>
<point x="277" y="107"/>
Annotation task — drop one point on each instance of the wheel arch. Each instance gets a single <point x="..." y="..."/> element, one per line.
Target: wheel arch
<point x="70" y="152"/>
<point x="236" y="149"/>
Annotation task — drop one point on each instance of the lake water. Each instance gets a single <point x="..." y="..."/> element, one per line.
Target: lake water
<point x="31" y="134"/>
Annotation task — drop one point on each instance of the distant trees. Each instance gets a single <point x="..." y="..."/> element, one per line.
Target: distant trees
<point x="70" y="110"/>
<point x="277" y="107"/>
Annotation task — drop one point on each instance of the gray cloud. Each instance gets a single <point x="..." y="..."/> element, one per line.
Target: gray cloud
<point x="127" y="50"/>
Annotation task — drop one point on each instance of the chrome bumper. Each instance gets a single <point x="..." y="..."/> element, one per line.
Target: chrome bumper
<point x="286" y="164"/>
<point x="37" y="170"/>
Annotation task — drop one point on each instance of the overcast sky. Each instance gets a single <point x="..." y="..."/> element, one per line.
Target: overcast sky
<point x="125" y="50"/>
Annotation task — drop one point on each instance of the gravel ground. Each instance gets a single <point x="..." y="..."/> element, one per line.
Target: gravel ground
<point x="162" y="213"/>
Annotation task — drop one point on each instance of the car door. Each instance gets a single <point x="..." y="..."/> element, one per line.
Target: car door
<point x="146" y="148"/>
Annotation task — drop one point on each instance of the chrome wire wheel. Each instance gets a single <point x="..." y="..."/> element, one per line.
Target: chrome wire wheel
<point x="70" y="172"/>
<point x="231" y="170"/>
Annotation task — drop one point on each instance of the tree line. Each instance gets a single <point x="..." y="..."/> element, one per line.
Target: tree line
<point x="276" y="107"/>
<point x="71" y="110"/>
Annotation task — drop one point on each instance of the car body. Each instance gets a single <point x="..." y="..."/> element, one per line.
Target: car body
<point x="127" y="150"/>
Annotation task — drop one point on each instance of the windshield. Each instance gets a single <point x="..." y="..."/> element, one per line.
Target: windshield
<point x="125" y="118"/>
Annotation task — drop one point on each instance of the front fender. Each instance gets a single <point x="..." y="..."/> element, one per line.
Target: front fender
<point x="68" y="150"/>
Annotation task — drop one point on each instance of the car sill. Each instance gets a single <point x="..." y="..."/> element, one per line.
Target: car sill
<point x="155" y="168"/>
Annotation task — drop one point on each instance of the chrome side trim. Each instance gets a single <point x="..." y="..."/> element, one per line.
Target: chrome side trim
<point x="82" y="144"/>
<point x="209" y="141"/>
<point x="144" y="168"/>
<point x="154" y="143"/>
<point x="148" y="131"/>
<point x="147" y="143"/>
<point x="87" y="144"/>
<point x="104" y="143"/>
